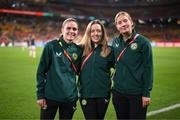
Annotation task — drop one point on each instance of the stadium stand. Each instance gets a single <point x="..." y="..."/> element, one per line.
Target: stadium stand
<point x="160" y="20"/>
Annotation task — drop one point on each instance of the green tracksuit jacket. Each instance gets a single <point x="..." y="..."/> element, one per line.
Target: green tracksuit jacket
<point x="56" y="79"/>
<point x="94" y="79"/>
<point x="134" y="70"/>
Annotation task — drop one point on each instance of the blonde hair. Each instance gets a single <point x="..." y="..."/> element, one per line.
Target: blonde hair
<point x="69" y="20"/>
<point x="87" y="43"/>
<point x="65" y="22"/>
<point x="123" y="13"/>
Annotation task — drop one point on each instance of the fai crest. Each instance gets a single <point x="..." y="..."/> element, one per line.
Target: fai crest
<point x="102" y="55"/>
<point x="75" y="56"/>
<point x="84" y="102"/>
<point x="134" y="46"/>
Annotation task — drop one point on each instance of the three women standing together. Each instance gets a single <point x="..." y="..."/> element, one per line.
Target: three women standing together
<point x="61" y="60"/>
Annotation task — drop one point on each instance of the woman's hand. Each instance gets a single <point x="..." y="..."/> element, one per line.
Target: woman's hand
<point x="146" y="101"/>
<point x="41" y="103"/>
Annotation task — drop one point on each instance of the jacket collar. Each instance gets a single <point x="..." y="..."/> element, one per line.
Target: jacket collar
<point x="130" y="38"/>
<point x="64" y="43"/>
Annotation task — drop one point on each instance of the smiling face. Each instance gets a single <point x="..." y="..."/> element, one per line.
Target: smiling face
<point x="69" y="31"/>
<point x="124" y="24"/>
<point x="96" y="33"/>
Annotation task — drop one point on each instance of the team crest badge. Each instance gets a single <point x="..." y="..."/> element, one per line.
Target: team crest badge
<point x="134" y="46"/>
<point x="75" y="56"/>
<point x="84" y="102"/>
<point x="102" y="55"/>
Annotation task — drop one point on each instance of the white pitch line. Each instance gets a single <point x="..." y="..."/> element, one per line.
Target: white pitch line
<point x="163" y="109"/>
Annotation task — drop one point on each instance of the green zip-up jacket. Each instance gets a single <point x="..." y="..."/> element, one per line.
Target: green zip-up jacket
<point x="56" y="78"/>
<point x="94" y="79"/>
<point x="134" y="70"/>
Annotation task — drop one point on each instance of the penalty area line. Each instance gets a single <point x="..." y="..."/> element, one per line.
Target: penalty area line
<point x="163" y="109"/>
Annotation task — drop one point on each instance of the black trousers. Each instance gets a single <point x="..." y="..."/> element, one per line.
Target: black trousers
<point x="66" y="110"/>
<point x="94" y="108"/>
<point x="128" y="106"/>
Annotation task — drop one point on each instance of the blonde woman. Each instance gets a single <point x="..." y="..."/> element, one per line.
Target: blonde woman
<point x="94" y="79"/>
<point x="134" y="70"/>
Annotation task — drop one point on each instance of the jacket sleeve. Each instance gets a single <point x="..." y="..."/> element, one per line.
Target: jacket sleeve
<point x="79" y="60"/>
<point x="111" y="58"/>
<point x="42" y="70"/>
<point x="148" y="69"/>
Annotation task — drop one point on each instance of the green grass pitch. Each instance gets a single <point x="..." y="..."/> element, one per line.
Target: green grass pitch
<point x="18" y="81"/>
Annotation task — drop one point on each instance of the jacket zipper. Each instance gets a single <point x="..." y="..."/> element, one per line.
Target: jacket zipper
<point x="94" y="55"/>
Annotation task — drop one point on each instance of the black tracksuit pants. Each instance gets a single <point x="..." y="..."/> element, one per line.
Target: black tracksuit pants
<point x="66" y="110"/>
<point x="94" y="108"/>
<point x="128" y="106"/>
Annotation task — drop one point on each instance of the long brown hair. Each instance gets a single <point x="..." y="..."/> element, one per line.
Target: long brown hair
<point x="87" y="43"/>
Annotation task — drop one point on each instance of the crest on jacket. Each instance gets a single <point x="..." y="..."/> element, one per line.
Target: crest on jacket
<point x="75" y="56"/>
<point x="84" y="102"/>
<point x="134" y="46"/>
